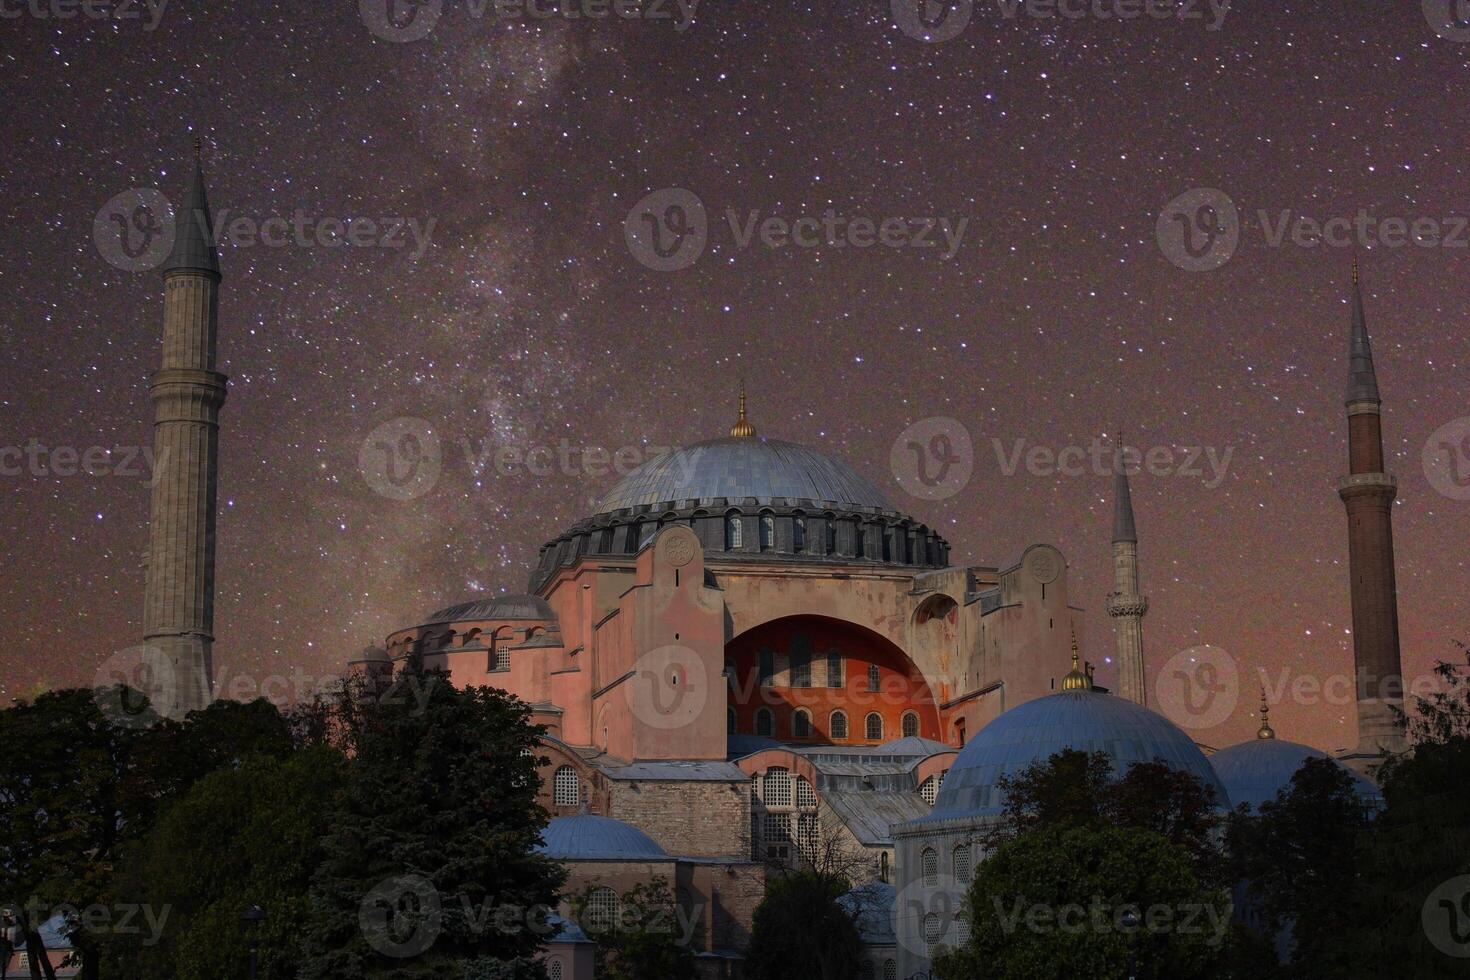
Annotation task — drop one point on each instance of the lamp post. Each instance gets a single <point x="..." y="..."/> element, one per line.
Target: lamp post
<point x="1129" y="921"/>
<point x="252" y="917"/>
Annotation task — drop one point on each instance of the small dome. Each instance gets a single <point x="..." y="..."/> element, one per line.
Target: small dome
<point x="586" y="837"/>
<point x="1085" y="720"/>
<point x="502" y="606"/>
<point x="371" y="655"/>
<point x="913" y="745"/>
<point x="739" y="467"/>
<point x="1255" y="771"/>
<point x="871" y="907"/>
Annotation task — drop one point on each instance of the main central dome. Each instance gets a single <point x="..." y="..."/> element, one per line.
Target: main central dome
<point x="742" y="468"/>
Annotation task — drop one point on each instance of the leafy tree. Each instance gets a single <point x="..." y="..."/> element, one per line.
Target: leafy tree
<point x="1077" y="789"/>
<point x="1053" y="902"/>
<point x="800" y="930"/>
<point x="645" y="939"/>
<point x="241" y="836"/>
<point x="433" y="842"/>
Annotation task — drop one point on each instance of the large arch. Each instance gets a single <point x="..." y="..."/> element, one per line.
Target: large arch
<point x="798" y="651"/>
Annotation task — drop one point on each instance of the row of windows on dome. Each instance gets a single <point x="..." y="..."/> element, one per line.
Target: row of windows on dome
<point x="837" y="725"/>
<point x="857" y="536"/>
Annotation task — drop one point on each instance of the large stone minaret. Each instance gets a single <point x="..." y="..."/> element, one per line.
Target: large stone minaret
<point x="1125" y="604"/>
<point x="187" y="392"/>
<point x="1368" y="492"/>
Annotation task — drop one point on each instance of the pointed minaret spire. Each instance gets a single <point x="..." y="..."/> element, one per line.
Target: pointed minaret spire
<point x="1362" y="380"/>
<point x="1125" y="604"/>
<point x="194" y="246"/>
<point x="187" y="392"/>
<point x="742" y="429"/>
<point x="1368" y="493"/>
<point x="1123" y="529"/>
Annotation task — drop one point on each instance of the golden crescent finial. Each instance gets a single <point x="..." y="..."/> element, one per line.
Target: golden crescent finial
<point x="742" y="429"/>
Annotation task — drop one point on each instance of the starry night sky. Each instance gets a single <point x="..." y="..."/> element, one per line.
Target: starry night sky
<point x="528" y="320"/>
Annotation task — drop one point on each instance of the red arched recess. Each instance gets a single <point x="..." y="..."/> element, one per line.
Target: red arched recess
<point x="901" y="691"/>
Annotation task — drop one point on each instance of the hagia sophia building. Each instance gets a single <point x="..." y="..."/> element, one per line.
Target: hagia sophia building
<point x="749" y="659"/>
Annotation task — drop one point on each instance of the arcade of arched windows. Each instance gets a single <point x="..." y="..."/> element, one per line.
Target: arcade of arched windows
<point x="784" y="817"/>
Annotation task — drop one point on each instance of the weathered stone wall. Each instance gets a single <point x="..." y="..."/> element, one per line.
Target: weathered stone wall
<point x="694" y="818"/>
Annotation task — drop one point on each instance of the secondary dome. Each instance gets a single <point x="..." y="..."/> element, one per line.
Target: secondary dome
<point x="1085" y="720"/>
<point x="1255" y="771"/>
<point x="738" y="468"/>
<point x="504" y="606"/>
<point x="590" y="838"/>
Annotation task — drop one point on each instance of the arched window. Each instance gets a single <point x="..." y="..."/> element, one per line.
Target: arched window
<point x="890" y="970"/>
<point x="764" y="721"/>
<point x="734" y="534"/>
<point x="502" y="655"/>
<point x="806" y="797"/>
<point x="874" y="680"/>
<point x="929" y="861"/>
<point x="961" y="929"/>
<point x="933" y="929"/>
<point x="866" y="971"/>
<point x="873" y="727"/>
<point x="776" y="787"/>
<point x="798" y="534"/>
<point x="601" y="910"/>
<point x="553" y="969"/>
<point x="801" y="667"/>
<point x="768" y="532"/>
<point x="838" y="725"/>
<point x="836" y="675"/>
<point x="883" y="867"/>
<point x="910" y="724"/>
<point x="801" y="724"/>
<point x="767" y="667"/>
<point x="929" y="790"/>
<point x="566" y="787"/>
<point x="831" y="534"/>
<point x="630" y="543"/>
<point x="962" y="864"/>
<point x="640" y="531"/>
<point x="729" y="721"/>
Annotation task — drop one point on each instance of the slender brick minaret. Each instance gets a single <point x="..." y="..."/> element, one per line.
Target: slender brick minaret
<point x="187" y="392"/>
<point x="1125" y="604"/>
<point x="1368" y="492"/>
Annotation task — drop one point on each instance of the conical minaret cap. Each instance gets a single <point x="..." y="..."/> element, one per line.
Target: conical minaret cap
<point x="194" y="229"/>
<point x="1362" y="381"/>
<point x="1123" y="529"/>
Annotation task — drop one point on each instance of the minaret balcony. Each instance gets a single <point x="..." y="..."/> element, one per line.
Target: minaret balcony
<point x="1118" y="604"/>
<point x="1368" y="485"/>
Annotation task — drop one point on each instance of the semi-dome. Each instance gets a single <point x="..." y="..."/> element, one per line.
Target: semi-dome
<point x="500" y="606"/>
<point x="741" y="468"/>
<point x="1255" y="771"/>
<point x="591" y="838"/>
<point x="1085" y="720"/>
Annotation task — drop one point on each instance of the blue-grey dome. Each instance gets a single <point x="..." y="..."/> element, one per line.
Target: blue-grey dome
<point x="506" y="605"/>
<point x="739" y="467"/>
<point x="1255" y="771"/>
<point x="586" y="838"/>
<point x="1085" y="720"/>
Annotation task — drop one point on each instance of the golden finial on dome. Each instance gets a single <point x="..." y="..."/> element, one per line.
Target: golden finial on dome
<point x="1077" y="679"/>
<point x="1355" y="267"/>
<point x="1265" y="731"/>
<point x="742" y="429"/>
